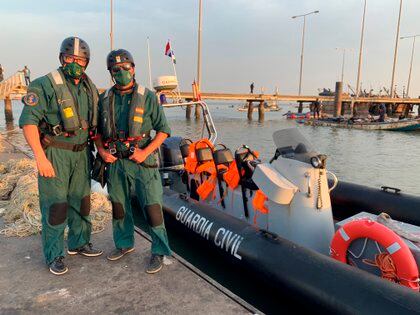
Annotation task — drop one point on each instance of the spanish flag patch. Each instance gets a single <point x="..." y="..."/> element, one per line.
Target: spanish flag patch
<point x="139" y="110"/>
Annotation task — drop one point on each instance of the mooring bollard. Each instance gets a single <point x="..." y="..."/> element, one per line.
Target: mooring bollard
<point x="261" y="111"/>
<point x="338" y="100"/>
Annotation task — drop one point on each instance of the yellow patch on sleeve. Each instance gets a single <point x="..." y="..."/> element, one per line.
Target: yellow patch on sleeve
<point x="68" y="112"/>
<point x="138" y="119"/>
<point x="139" y="110"/>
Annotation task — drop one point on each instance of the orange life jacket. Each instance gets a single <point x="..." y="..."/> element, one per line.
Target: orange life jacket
<point x="191" y="162"/>
<point x="259" y="204"/>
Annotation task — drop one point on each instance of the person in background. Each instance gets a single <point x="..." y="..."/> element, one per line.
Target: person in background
<point x="128" y="113"/>
<point x="317" y="109"/>
<point x="1" y="73"/>
<point x="27" y="74"/>
<point x="382" y="112"/>
<point x="252" y="88"/>
<point x="59" y="116"/>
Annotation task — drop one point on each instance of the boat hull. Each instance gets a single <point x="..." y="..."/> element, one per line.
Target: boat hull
<point x="293" y="272"/>
<point x="402" y="125"/>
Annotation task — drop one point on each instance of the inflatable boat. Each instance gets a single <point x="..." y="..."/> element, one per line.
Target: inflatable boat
<point x="289" y="228"/>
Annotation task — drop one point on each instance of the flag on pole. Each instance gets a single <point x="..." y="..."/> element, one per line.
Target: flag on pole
<point x="169" y="52"/>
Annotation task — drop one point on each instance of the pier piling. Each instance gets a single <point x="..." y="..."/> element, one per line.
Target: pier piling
<point x="338" y="100"/>
<point x="197" y="112"/>
<point x="188" y="112"/>
<point x="250" y="110"/>
<point x="261" y="111"/>
<point x="8" y="113"/>
<point x="300" y="108"/>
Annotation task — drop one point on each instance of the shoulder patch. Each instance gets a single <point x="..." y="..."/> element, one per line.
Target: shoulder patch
<point x="31" y="99"/>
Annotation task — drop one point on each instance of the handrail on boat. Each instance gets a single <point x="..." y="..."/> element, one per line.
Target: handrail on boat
<point x="208" y="120"/>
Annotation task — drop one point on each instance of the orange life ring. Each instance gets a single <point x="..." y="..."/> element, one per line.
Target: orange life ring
<point x="406" y="266"/>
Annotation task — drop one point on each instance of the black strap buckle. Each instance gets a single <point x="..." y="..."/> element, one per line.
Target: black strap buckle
<point x="112" y="148"/>
<point x="57" y="130"/>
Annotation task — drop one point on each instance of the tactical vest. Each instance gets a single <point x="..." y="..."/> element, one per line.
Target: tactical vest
<point x="135" y="122"/>
<point x="68" y="106"/>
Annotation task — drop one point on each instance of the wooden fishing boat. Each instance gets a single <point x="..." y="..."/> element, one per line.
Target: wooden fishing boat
<point x="408" y="124"/>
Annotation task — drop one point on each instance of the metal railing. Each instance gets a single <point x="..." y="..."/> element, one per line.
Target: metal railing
<point x="13" y="85"/>
<point x="208" y="120"/>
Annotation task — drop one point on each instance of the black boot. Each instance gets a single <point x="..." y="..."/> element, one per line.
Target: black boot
<point x="58" y="267"/>
<point x="155" y="263"/>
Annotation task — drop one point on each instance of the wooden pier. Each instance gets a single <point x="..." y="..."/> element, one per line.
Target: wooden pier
<point x="294" y="98"/>
<point x="14" y="87"/>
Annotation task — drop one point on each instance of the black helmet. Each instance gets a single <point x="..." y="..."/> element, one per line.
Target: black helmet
<point x="118" y="56"/>
<point x="75" y="46"/>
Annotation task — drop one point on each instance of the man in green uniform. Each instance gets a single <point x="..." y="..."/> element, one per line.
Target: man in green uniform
<point x="127" y="114"/>
<point x="60" y="113"/>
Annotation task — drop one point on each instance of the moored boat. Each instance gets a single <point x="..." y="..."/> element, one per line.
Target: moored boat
<point x="277" y="221"/>
<point x="407" y="124"/>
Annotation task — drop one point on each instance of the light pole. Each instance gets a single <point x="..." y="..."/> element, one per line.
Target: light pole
<point x="343" y="62"/>
<point x="200" y="16"/>
<point x="392" y="90"/>
<point x="411" y="62"/>
<point x="303" y="45"/>
<point x="111" y="32"/>
<point x="360" y="61"/>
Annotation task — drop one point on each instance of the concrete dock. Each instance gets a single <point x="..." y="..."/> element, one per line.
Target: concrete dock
<point x="96" y="285"/>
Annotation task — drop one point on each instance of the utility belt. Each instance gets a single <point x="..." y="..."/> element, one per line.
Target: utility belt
<point x="58" y="130"/>
<point x="50" y="141"/>
<point x="130" y="144"/>
<point x="50" y="132"/>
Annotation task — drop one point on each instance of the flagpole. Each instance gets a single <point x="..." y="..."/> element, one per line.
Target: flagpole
<point x="150" y="67"/>
<point x="173" y="65"/>
<point x="111" y="33"/>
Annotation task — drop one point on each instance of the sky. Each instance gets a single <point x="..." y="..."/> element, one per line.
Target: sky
<point x="243" y="41"/>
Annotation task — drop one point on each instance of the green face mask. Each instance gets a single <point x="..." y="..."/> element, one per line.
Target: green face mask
<point x="73" y="70"/>
<point x="123" y="77"/>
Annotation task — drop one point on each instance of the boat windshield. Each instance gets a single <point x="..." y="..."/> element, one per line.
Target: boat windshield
<point x="293" y="139"/>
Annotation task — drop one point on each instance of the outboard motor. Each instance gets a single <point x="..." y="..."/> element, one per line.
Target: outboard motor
<point x="295" y="182"/>
<point x="172" y="164"/>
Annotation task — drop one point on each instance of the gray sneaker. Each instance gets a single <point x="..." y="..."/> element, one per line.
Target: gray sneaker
<point x="58" y="267"/>
<point x="118" y="253"/>
<point x="86" y="250"/>
<point x="155" y="264"/>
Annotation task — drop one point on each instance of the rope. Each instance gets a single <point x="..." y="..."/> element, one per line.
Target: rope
<point x="385" y="263"/>
<point x="20" y="201"/>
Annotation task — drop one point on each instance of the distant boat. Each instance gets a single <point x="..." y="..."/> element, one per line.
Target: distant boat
<point x="269" y="106"/>
<point x="409" y="124"/>
<point x="291" y="115"/>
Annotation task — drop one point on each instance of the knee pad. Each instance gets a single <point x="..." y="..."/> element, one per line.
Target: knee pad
<point x="58" y="213"/>
<point x="85" y="206"/>
<point x="154" y="214"/>
<point x="117" y="210"/>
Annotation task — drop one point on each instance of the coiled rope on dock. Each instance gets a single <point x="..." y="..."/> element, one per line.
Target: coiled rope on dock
<point x="19" y="201"/>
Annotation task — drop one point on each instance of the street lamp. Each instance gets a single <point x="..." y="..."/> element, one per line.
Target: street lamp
<point x="303" y="44"/>
<point x="411" y="62"/>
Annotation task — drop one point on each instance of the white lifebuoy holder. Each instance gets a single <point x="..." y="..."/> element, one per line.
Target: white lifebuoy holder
<point x="406" y="266"/>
